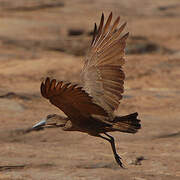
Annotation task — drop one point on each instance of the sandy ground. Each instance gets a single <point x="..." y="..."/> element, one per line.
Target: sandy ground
<point x="49" y="38"/>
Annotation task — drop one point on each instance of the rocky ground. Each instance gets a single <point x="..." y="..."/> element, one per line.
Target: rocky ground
<point x="50" y="38"/>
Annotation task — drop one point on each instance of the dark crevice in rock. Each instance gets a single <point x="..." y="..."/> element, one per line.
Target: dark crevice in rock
<point x="13" y="95"/>
<point x="31" y="6"/>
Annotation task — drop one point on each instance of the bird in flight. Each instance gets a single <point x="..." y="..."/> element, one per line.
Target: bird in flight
<point x="90" y="108"/>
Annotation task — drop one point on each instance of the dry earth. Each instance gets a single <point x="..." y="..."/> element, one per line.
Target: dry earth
<point x="49" y="38"/>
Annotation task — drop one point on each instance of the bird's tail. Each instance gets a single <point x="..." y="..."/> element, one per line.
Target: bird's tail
<point x="128" y="123"/>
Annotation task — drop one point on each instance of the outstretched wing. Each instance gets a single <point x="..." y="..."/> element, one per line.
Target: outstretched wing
<point x="71" y="99"/>
<point x="102" y="74"/>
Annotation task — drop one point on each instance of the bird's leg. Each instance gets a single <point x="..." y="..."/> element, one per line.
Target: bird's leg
<point x="111" y="140"/>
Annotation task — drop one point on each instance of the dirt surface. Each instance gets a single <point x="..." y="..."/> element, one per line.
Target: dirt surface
<point x="49" y="38"/>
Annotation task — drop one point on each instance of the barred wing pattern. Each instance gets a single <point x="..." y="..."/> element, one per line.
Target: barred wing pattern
<point x="71" y="99"/>
<point x="102" y="74"/>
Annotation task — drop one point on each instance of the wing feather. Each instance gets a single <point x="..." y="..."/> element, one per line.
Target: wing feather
<point x="71" y="99"/>
<point x="102" y="74"/>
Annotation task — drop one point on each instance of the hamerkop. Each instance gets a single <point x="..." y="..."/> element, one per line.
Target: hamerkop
<point x="90" y="108"/>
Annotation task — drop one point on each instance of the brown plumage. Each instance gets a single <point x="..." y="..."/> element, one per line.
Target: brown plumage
<point x="91" y="108"/>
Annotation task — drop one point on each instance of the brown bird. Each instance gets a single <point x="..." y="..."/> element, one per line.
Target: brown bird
<point x="90" y="108"/>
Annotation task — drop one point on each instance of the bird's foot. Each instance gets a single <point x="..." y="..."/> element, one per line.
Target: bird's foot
<point x="118" y="160"/>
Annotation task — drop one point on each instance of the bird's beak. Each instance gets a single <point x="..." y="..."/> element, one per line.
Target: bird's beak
<point x="40" y="124"/>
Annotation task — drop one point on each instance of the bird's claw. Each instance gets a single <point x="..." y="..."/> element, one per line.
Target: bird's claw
<point x="118" y="160"/>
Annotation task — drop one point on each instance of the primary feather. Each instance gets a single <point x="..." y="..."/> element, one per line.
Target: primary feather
<point x="102" y="74"/>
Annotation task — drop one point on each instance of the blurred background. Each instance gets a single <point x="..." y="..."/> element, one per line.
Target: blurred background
<point x="40" y="38"/>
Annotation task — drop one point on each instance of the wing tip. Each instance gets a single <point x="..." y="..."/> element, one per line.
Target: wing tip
<point x="102" y="16"/>
<point x="110" y="15"/>
<point x="126" y="35"/>
<point x="42" y="89"/>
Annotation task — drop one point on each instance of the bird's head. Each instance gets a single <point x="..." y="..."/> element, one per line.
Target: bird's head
<point x="51" y="121"/>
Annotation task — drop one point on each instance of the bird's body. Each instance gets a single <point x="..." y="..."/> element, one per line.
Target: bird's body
<point x="90" y="108"/>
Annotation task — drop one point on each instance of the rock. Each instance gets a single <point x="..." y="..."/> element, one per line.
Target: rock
<point x="12" y="95"/>
<point x="138" y="160"/>
<point x="75" y="32"/>
<point x="12" y="105"/>
<point x="31" y="5"/>
<point x="141" y="45"/>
